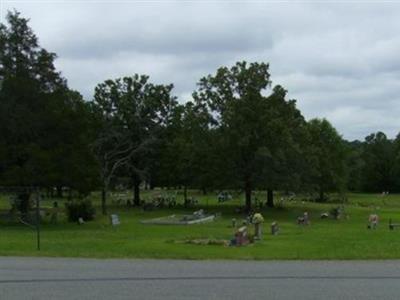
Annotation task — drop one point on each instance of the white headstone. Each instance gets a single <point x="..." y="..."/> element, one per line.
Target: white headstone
<point x="114" y="220"/>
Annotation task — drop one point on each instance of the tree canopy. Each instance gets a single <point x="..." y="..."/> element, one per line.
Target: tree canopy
<point x="43" y="123"/>
<point x="258" y="133"/>
<point x="132" y="114"/>
<point x="238" y="131"/>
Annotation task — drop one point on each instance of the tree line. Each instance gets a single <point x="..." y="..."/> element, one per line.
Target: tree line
<point x="239" y="131"/>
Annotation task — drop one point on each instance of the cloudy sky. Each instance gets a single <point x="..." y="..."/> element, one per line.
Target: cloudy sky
<point x="340" y="60"/>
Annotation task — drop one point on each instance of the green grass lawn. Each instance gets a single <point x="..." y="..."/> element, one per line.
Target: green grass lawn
<point x="347" y="238"/>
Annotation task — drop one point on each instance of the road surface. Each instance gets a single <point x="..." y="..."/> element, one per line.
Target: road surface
<point x="65" y="278"/>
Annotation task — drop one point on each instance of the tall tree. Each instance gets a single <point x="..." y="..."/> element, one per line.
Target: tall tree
<point x="188" y="152"/>
<point x="328" y="155"/>
<point x="29" y="86"/>
<point x="42" y="122"/>
<point x="380" y="163"/>
<point x="133" y="112"/>
<point x="284" y="165"/>
<point x="356" y="165"/>
<point x="252" y="128"/>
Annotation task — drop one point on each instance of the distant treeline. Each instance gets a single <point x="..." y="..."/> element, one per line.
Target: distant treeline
<point x="237" y="132"/>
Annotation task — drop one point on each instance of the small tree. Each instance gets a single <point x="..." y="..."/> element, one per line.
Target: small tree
<point x="113" y="151"/>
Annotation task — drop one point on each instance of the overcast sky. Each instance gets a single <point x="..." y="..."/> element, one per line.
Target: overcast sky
<point x="339" y="60"/>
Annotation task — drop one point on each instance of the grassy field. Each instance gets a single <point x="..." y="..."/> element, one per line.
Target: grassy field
<point x="347" y="238"/>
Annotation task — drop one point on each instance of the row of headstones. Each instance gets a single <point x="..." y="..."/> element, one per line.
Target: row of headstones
<point x="373" y="221"/>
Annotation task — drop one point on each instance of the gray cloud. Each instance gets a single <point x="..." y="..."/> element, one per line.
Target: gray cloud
<point x="340" y="61"/>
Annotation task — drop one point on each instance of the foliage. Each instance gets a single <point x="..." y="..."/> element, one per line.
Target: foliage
<point x="80" y="209"/>
<point x="239" y="132"/>
<point x="355" y="164"/>
<point x="43" y="124"/>
<point x="21" y="203"/>
<point x="335" y="212"/>
<point x="380" y="163"/>
<point x="188" y="150"/>
<point x="328" y="156"/>
<point x="258" y="135"/>
<point x="130" y="114"/>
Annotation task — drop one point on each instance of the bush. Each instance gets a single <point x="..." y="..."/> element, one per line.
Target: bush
<point x="21" y="203"/>
<point x="80" y="209"/>
<point x="336" y="212"/>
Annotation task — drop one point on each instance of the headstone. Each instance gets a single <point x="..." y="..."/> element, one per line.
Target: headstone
<point x="114" y="220"/>
<point x="220" y="197"/>
<point x="257" y="220"/>
<point x="274" y="228"/>
<point x="373" y="221"/>
<point x="336" y="212"/>
<point x="304" y="220"/>
<point x="199" y="213"/>
<point x="233" y="223"/>
<point x="81" y="221"/>
<point x="324" y="215"/>
<point x="42" y="213"/>
<point x="257" y="231"/>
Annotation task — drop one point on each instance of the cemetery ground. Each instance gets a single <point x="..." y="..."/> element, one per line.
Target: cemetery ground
<point x="346" y="238"/>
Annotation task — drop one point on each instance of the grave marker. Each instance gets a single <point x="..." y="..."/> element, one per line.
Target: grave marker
<point x="114" y="220"/>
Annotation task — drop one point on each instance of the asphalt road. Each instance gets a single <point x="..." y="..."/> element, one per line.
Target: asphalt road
<point x="64" y="278"/>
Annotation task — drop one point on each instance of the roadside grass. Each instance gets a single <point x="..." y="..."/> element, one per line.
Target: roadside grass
<point x="347" y="238"/>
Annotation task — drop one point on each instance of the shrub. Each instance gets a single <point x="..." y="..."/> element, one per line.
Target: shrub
<point x="21" y="203"/>
<point x="336" y="212"/>
<point x="80" y="209"/>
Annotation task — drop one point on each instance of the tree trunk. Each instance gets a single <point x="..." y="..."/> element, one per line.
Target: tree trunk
<point x="185" y="196"/>
<point x="136" y="192"/>
<point x="103" y="200"/>
<point x="247" y="190"/>
<point x="151" y="185"/>
<point x="321" y="196"/>
<point x="24" y="204"/>
<point x="270" y="198"/>
<point x="59" y="192"/>
<point x="204" y="189"/>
